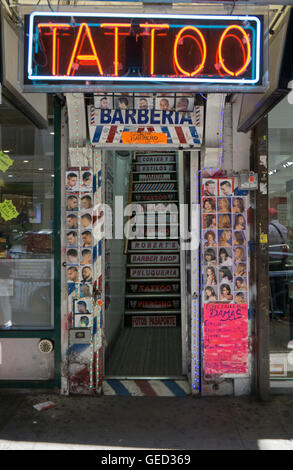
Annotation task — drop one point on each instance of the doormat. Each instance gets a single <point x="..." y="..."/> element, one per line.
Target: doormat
<point x="151" y="388"/>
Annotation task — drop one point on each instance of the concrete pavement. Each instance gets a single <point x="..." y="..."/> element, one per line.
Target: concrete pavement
<point x="145" y="423"/>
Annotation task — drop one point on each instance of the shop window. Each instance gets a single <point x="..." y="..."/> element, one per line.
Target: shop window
<point x="26" y="222"/>
<point x="281" y="240"/>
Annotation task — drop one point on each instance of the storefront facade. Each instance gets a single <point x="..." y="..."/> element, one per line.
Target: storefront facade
<point x="132" y="296"/>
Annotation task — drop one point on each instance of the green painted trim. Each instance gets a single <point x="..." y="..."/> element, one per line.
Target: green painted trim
<point x="57" y="240"/>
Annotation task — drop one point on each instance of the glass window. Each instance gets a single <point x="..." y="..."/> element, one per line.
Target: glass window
<point x="26" y="239"/>
<point x="281" y="240"/>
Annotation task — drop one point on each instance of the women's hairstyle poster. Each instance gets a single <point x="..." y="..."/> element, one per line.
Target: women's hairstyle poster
<point x="224" y="242"/>
<point x="225" y="282"/>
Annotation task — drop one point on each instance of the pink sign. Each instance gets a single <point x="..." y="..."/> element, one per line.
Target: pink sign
<point x="225" y="338"/>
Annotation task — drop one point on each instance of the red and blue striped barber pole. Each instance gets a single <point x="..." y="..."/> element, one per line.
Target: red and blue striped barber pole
<point x="151" y="388"/>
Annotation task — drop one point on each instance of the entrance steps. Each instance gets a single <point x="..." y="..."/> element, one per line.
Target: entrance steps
<point x="153" y="260"/>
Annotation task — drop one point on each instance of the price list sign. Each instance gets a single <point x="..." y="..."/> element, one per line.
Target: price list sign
<point x="225" y="339"/>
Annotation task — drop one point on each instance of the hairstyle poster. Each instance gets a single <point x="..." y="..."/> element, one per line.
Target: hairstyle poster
<point x="224" y="242"/>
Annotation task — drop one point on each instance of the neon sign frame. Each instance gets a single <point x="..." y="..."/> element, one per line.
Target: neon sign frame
<point x="33" y="81"/>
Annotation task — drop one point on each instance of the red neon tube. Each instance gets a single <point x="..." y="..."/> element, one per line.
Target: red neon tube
<point x="116" y="27"/>
<point x="78" y="45"/>
<point x="203" y="51"/>
<point x="54" y="27"/>
<point x="248" y="56"/>
<point x="154" y="27"/>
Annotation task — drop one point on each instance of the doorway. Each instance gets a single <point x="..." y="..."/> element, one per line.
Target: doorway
<point x="143" y="287"/>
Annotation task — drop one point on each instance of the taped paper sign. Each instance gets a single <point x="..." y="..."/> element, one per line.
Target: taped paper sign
<point x="144" y="138"/>
<point x="225" y="339"/>
<point x="8" y="210"/>
<point x="5" y="161"/>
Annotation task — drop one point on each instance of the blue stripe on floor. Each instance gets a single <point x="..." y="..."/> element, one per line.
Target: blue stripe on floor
<point x="118" y="387"/>
<point x="174" y="388"/>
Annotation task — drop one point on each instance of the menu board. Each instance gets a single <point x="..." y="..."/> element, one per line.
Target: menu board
<point x="225" y="339"/>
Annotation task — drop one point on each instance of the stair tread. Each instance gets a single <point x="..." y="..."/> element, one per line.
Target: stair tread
<point x="152" y="312"/>
<point x="151" y="295"/>
<point x="153" y="279"/>
<point x="154" y="181"/>
<point x="154" y="171"/>
<point x="141" y="251"/>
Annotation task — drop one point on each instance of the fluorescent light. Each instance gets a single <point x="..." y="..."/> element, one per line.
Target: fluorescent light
<point x="6" y="151"/>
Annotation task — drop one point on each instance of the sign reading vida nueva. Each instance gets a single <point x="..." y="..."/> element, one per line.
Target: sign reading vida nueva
<point x="88" y="48"/>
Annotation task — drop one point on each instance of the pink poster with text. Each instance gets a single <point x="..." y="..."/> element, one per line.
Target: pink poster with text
<point x="225" y="338"/>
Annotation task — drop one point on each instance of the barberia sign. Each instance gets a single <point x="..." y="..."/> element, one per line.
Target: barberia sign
<point x="143" y="116"/>
<point x="84" y="48"/>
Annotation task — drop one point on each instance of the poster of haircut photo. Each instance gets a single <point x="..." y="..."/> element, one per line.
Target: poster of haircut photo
<point x="184" y="103"/>
<point x="72" y="202"/>
<point x="224" y="241"/>
<point x="124" y="101"/>
<point x="103" y="101"/>
<point x="143" y="102"/>
<point x="86" y="180"/>
<point x="165" y="103"/>
<point x="72" y="180"/>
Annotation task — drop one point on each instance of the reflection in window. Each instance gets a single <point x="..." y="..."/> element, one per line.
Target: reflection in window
<point x="26" y="242"/>
<point x="281" y="240"/>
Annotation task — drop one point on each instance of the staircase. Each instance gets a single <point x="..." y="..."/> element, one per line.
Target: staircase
<point x="153" y="262"/>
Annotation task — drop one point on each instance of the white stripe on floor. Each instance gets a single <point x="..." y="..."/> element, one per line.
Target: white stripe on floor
<point x="160" y="388"/>
<point x="107" y="389"/>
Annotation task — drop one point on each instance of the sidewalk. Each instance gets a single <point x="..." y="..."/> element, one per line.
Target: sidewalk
<point x="145" y="423"/>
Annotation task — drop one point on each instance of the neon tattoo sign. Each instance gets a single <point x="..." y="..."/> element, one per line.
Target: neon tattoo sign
<point x="64" y="48"/>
